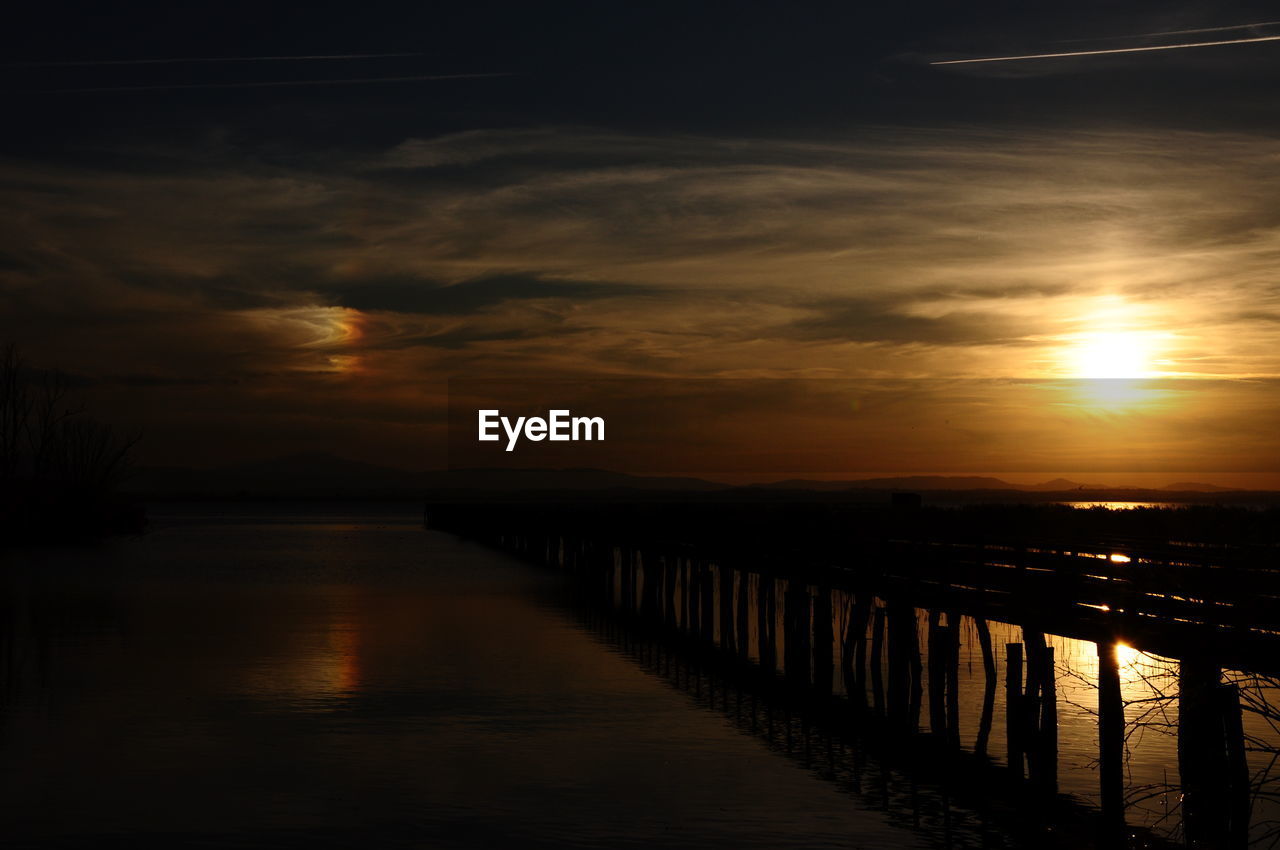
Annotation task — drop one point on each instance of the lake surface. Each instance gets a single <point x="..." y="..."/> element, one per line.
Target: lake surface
<point x="342" y="677"/>
<point x="275" y="676"/>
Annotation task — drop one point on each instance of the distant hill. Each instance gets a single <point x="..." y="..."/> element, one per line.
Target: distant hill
<point x="930" y="483"/>
<point x="910" y="482"/>
<point x="1057" y="485"/>
<point x="933" y="482"/>
<point x="327" y="476"/>
<point x="1195" y="487"/>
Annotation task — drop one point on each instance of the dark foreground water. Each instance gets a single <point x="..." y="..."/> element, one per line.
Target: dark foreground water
<point x="341" y="677"/>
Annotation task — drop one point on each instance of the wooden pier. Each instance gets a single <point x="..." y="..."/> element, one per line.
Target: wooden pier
<point x="794" y="607"/>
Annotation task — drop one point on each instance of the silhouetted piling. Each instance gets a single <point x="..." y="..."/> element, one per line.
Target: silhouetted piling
<point x="796" y="604"/>
<point x="905" y="668"/>
<point x="670" y="585"/>
<point x="651" y="574"/>
<point x="951" y="645"/>
<point x="765" y="628"/>
<point x="856" y="645"/>
<point x="627" y="566"/>
<point x="707" y="596"/>
<point x="1030" y="707"/>
<point x="1215" y="776"/>
<point x="1013" y="707"/>
<point x="694" y="587"/>
<point x="1110" y="746"/>
<point x="915" y="669"/>
<point x="988" y="686"/>
<point x="1241" y="801"/>
<point x="876" y="660"/>
<point x="937" y="676"/>
<point x="823" y="642"/>
<point x="728" y="640"/>
<point x="1048" y="738"/>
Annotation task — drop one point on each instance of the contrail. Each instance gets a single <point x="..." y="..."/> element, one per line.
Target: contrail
<point x="268" y="84"/>
<point x="1172" y="32"/>
<point x="72" y="63"/>
<point x="1112" y="50"/>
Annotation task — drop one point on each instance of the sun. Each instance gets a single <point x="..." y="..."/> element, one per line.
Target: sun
<point x="1112" y="354"/>
<point x="1113" y="339"/>
<point x="1111" y="361"/>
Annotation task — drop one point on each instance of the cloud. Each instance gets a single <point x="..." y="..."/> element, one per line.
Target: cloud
<point x="871" y="321"/>
<point x="417" y="295"/>
<point x="366" y="278"/>
<point x="262" y="84"/>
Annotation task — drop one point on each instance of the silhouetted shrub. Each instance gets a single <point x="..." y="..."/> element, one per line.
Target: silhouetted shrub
<point x="59" y="469"/>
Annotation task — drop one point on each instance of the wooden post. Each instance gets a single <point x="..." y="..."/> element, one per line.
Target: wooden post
<point x="649" y="595"/>
<point x="611" y="573"/>
<point x="988" y="689"/>
<point x="915" y="668"/>
<point x="853" y="649"/>
<point x="937" y="677"/>
<point x="1240" y="802"/>
<point x="795" y="611"/>
<point x="861" y="616"/>
<point x="804" y="632"/>
<point x="669" y="586"/>
<point x="728" y="640"/>
<point x="1049" y="723"/>
<point x="905" y="689"/>
<point x="790" y="665"/>
<point x="708" y="597"/>
<point x="691" y="598"/>
<point x="1202" y="753"/>
<point x="952" y="667"/>
<point x="1110" y="745"/>
<point x="1013" y="706"/>
<point x="627" y="569"/>
<point x="823" y="642"/>
<point x="897" y="693"/>
<point x="877" y="660"/>
<point x="845" y="637"/>
<point x="765" y="614"/>
<point x="1029" y="711"/>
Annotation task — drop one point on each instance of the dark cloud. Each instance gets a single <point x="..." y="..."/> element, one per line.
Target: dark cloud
<point x="875" y="322"/>
<point x="471" y="296"/>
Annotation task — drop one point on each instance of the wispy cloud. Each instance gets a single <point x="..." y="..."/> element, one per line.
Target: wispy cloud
<point x="351" y="287"/>
<point x="266" y="84"/>
<point x="203" y="60"/>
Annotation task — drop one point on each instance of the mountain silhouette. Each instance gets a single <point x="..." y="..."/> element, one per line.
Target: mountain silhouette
<point x="909" y="482"/>
<point x="1197" y="487"/>
<point x="318" y="475"/>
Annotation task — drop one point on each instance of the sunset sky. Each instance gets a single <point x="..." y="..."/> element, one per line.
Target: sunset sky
<point x="274" y="255"/>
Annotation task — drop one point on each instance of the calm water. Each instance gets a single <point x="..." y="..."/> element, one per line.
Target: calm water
<point x="325" y="678"/>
